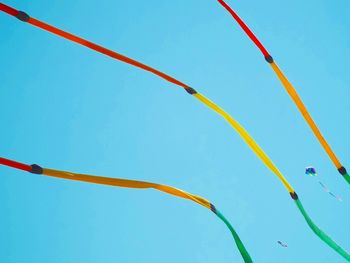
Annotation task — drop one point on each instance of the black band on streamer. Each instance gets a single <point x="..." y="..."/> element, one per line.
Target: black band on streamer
<point x="23" y="16"/>
<point x="191" y="90"/>
<point x="36" y="169"/>
<point x="294" y="196"/>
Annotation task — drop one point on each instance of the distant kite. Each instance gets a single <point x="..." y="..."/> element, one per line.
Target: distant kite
<point x="312" y="172"/>
<point x="282" y="244"/>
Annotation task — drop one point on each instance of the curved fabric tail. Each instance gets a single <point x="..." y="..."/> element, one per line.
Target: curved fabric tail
<point x="118" y="182"/>
<point x="291" y="91"/>
<point x="322" y="235"/>
<point x="242" y="250"/>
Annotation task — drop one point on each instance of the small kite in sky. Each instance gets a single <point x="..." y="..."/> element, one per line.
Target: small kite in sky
<point x="312" y="172"/>
<point x="282" y="244"/>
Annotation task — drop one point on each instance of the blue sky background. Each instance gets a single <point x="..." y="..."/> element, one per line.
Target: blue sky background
<point x="66" y="107"/>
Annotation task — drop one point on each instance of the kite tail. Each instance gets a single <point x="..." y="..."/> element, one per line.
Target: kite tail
<point x="291" y="91"/>
<point x="267" y="161"/>
<point x="346" y="177"/>
<point x="24" y="17"/>
<point x="241" y="248"/>
<point x="126" y="183"/>
<point x="322" y="235"/>
<point x="247" y="138"/>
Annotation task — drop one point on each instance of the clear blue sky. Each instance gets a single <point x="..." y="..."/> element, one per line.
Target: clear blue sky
<point x="66" y="107"/>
